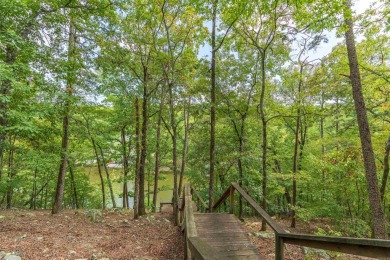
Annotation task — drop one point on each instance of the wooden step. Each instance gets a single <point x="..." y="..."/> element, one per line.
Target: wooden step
<point x="224" y="233"/>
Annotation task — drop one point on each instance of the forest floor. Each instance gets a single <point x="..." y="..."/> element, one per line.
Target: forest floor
<point x="89" y="234"/>
<point x="115" y="235"/>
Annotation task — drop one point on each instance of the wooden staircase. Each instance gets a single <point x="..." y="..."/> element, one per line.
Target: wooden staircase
<point x="224" y="234"/>
<point x="220" y="235"/>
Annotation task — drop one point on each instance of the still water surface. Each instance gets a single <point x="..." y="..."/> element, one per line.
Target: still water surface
<point x="165" y="185"/>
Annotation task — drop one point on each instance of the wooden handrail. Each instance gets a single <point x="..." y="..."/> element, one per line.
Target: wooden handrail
<point x="377" y="248"/>
<point x="275" y="226"/>
<point x="189" y="213"/>
<point x="188" y="223"/>
<point x="195" y="247"/>
<point x="200" y="250"/>
<point x="202" y="202"/>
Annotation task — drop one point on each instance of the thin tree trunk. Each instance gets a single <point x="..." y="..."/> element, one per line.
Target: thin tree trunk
<point x="378" y="217"/>
<point x="41" y="190"/>
<point x="76" y="199"/>
<point x="34" y="190"/>
<point x="157" y="158"/>
<point x="125" y="196"/>
<point x="137" y="151"/>
<point x="385" y="169"/>
<point x="11" y="173"/>
<point x="148" y="191"/>
<point x="99" y="165"/>
<point x="65" y="123"/>
<point x="295" y="167"/>
<point x="337" y="124"/>
<point x="322" y="120"/>
<point x="174" y="153"/>
<point x="142" y="165"/>
<point x="108" y="176"/>
<point x="240" y="171"/>
<point x="185" y="148"/>
<point x="213" y="104"/>
<point x="264" y="139"/>
<point x="298" y="144"/>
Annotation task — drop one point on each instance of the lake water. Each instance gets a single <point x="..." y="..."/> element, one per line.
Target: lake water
<point x="165" y="184"/>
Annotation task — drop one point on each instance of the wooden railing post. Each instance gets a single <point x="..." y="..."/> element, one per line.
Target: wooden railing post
<point x="231" y="211"/>
<point x="278" y="247"/>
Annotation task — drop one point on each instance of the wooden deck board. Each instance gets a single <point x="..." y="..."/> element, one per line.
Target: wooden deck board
<point x="224" y="233"/>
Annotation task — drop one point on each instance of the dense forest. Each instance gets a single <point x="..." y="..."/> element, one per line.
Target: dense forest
<point x="88" y="83"/>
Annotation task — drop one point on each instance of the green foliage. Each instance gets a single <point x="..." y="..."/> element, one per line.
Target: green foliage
<point x="125" y="47"/>
<point x="328" y="232"/>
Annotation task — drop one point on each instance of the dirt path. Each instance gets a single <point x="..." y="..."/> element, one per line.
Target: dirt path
<point x="89" y="234"/>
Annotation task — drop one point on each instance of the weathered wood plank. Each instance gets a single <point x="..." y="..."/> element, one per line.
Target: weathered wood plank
<point x="189" y="213"/>
<point x="232" y="247"/>
<point x="215" y="236"/>
<point x="244" y="252"/>
<point x="205" y="234"/>
<point x="377" y="248"/>
<point x="224" y="234"/>
<point x="200" y="250"/>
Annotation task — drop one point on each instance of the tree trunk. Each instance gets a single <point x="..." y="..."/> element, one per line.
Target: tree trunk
<point x="185" y="148"/>
<point x="65" y="123"/>
<point x="264" y="139"/>
<point x="137" y="151"/>
<point x="240" y="171"/>
<point x="298" y="144"/>
<point x="142" y="165"/>
<point x="322" y="121"/>
<point x="108" y="176"/>
<point x="125" y="195"/>
<point x="378" y="217"/>
<point x="11" y="173"/>
<point x="174" y="152"/>
<point x="157" y="158"/>
<point x="212" y="108"/>
<point x="76" y="200"/>
<point x="385" y="169"/>
<point x="295" y="167"/>
<point x="99" y="165"/>
<point x="34" y="190"/>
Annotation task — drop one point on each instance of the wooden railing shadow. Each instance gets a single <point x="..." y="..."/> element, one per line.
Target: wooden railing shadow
<point x="197" y="249"/>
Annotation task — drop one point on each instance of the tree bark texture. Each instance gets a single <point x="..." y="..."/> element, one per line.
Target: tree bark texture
<point x="174" y="153"/>
<point x="264" y="139"/>
<point x="385" y="169"/>
<point x="185" y="147"/>
<point x="213" y="103"/>
<point x="137" y="159"/>
<point x="142" y="165"/>
<point x="125" y="195"/>
<point x="378" y="217"/>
